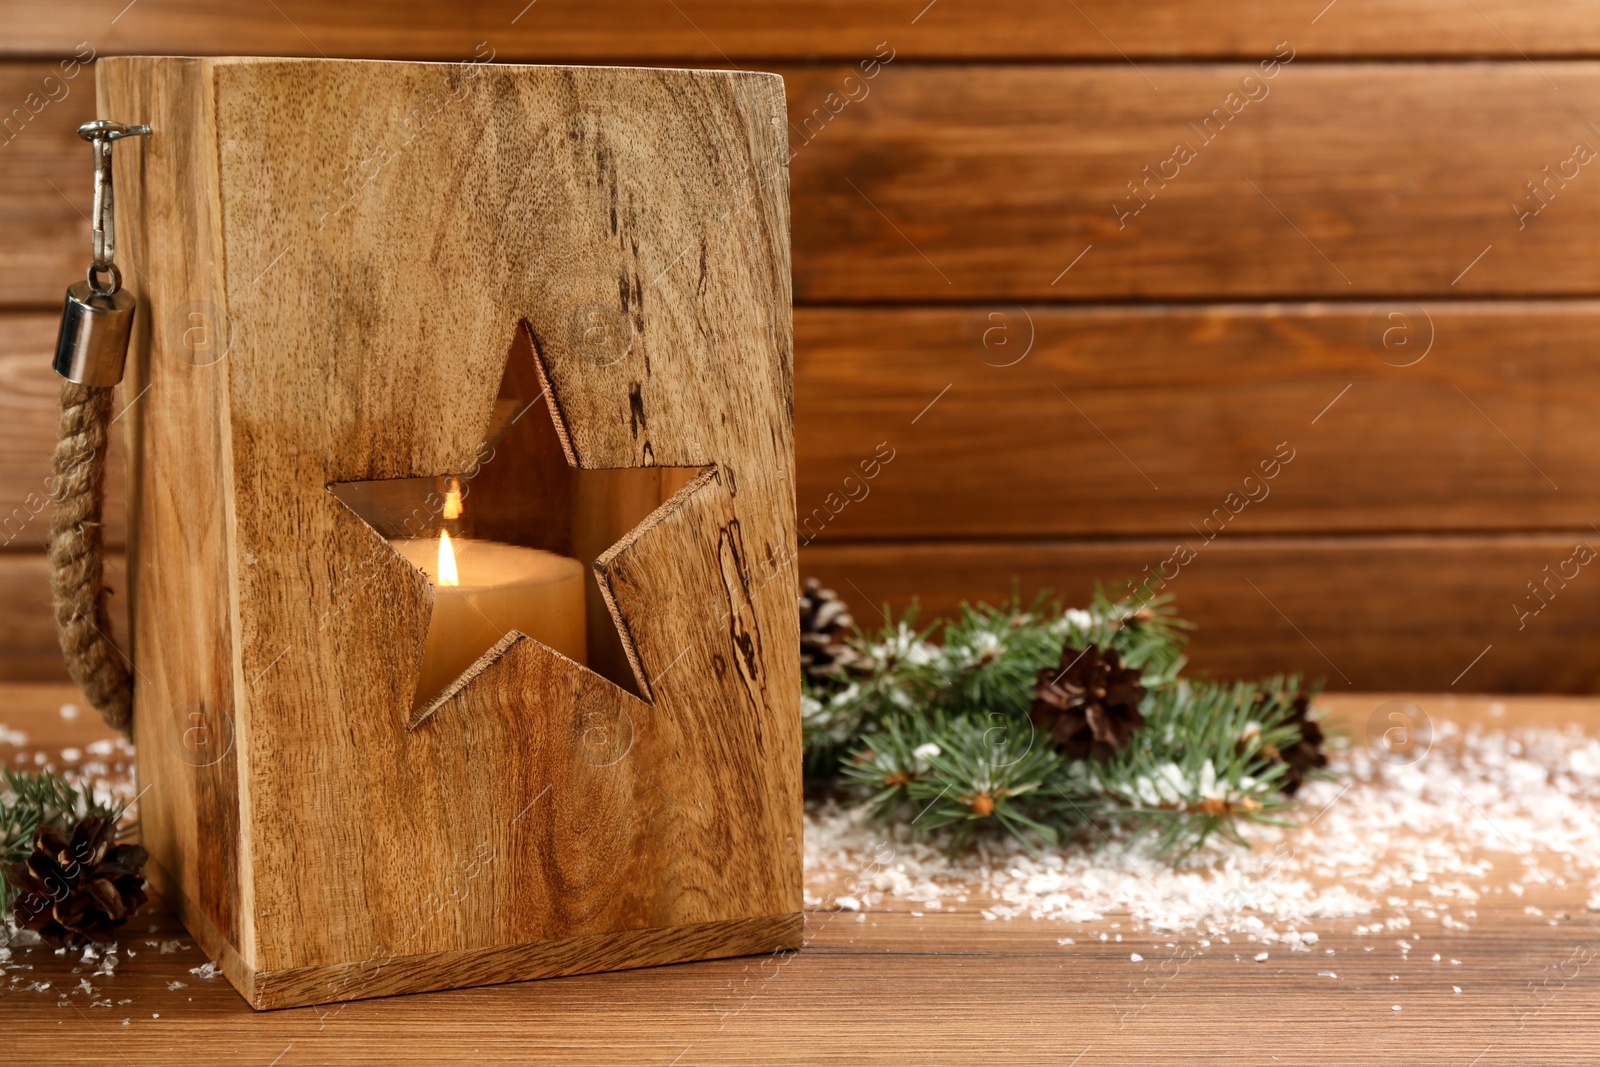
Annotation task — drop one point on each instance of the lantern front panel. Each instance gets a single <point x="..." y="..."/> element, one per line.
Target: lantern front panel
<point x="392" y="252"/>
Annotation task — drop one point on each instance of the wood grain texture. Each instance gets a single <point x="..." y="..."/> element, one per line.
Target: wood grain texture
<point x="183" y="589"/>
<point x="1358" y="612"/>
<point x="50" y="717"/>
<point x="1388" y="610"/>
<point x="385" y="973"/>
<point x="44" y="179"/>
<point x="1347" y="180"/>
<point x="1040" y="422"/>
<point x="540" y="802"/>
<point x="984" y="183"/>
<point x="896" y="988"/>
<point x="708" y="31"/>
<point x="543" y="958"/>
<point x="1003" y="454"/>
<point x="29" y="648"/>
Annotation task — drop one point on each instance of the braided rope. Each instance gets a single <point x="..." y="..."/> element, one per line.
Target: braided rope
<point x="77" y="564"/>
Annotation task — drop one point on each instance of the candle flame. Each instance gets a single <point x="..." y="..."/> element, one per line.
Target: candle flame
<point x="447" y="560"/>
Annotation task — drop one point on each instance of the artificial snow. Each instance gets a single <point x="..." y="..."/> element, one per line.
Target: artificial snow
<point x="1379" y="853"/>
<point x="1382" y="846"/>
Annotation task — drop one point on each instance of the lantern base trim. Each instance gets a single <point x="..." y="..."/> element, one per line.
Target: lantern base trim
<point x="460" y="968"/>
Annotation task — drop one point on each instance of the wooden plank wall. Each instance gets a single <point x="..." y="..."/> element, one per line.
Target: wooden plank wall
<point x="1290" y="302"/>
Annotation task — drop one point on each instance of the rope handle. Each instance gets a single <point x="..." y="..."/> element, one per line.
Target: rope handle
<point x="91" y="350"/>
<point x="77" y="555"/>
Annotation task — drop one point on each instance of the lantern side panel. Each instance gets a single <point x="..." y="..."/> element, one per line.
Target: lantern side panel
<point x="189" y="725"/>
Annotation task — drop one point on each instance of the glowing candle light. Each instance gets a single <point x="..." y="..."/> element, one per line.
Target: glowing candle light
<point x="447" y="560"/>
<point x="485" y="589"/>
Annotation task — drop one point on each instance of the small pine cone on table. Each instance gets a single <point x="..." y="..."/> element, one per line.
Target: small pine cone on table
<point x="80" y="888"/>
<point x="1305" y="754"/>
<point x="1088" y="703"/>
<point x="824" y="622"/>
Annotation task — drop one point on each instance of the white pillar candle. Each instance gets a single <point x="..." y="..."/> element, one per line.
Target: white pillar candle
<point x="499" y="588"/>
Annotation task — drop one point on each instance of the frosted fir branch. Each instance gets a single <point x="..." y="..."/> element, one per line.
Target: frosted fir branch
<point x="958" y="773"/>
<point x="931" y="727"/>
<point x="1146" y="632"/>
<point x="1198" y="768"/>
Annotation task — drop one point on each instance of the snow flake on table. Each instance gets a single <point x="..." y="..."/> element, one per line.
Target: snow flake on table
<point x="1386" y="847"/>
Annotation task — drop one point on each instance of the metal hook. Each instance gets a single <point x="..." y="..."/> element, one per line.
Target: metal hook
<point x="101" y="133"/>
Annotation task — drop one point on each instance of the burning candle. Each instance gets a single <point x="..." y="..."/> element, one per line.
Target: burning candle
<point x="485" y="589"/>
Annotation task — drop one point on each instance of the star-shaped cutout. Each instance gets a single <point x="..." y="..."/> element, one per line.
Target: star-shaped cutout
<point x="525" y="492"/>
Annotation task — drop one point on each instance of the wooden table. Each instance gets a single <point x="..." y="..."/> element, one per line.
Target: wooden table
<point x="896" y="988"/>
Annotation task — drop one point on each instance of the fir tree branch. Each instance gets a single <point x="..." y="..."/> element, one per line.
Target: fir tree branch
<point x="1197" y="768"/>
<point x="931" y="727"/>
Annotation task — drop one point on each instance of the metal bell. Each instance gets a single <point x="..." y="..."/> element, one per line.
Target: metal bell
<point x="97" y="322"/>
<point x="95" y="327"/>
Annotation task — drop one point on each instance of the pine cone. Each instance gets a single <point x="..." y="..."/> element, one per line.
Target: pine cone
<point x="79" y="889"/>
<point x="1305" y="755"/>
<point x="1089" y="703"/>
<point x="824" y="620"/>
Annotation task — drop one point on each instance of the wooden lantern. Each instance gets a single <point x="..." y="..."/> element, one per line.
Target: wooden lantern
<point x="351" y="275"/>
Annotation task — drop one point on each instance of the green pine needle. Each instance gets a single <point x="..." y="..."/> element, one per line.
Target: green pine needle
<point x="1197" y="768"/>
<point x="937" y="735"/>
